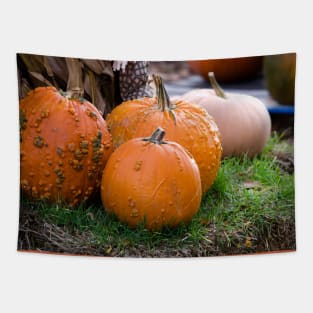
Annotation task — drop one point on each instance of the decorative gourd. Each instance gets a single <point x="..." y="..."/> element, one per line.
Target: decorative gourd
<point x="243" y="120"/>
<point x="185" y="123"/>
<point x="279" y="75"/>
<point x="228" y="70"/>
<point x="153" y="181"/>
<point x="64" y="146"/>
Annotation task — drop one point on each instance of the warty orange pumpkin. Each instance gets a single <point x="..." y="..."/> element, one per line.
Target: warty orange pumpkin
<point x="64" y="146"/>
<point x="185" y="123"/>
<point x="153" y="181"/>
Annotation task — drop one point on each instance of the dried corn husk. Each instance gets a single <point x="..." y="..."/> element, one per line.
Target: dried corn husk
<point x="99" y="84"/>
<point x="97" y="79"/>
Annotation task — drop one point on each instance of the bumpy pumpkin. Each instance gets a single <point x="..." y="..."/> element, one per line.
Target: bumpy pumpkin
<point x="243" y="120"/>
<point x="64" y="146"/>
<point x="228" y="70"/>
<point x="185" y="123"/>
<point x="153" y="181"/>
<point x="279" y="75"/>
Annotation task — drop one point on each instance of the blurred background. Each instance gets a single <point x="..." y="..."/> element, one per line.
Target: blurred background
<point x="269" y="78"/>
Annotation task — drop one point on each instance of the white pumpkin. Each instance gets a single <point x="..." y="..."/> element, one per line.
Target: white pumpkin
<point x="243" y="120"/>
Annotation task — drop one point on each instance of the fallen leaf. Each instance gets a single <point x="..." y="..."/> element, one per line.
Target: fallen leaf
<point x="248" y="242"/>
<point x="108" y="250"/>
<point x="251" y="184"/>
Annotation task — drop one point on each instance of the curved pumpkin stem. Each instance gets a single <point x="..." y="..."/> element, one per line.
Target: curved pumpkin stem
<point x="217" y="88"/>
<point x="162" y="97"/>
<point x="157" y="136"/>
<point x="163" y="100"/>
<point x="75" y="78"/>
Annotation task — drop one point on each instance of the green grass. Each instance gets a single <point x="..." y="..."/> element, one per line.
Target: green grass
<point x="249" y="208"/>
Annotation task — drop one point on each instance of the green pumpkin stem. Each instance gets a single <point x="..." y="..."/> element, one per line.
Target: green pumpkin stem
<point x="217" y="88"/>
<point x="157" y="136"/>
<point x="162" y="97"/>
<point x="75" y="78"/>
<point x="163" y="100"/>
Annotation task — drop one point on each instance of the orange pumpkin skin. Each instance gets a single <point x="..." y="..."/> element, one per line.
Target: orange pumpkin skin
<point x="228" y="70"/>
<point x="64" y="147"/>
<point x="155" y="183"/>
<point x="192" y="127"/>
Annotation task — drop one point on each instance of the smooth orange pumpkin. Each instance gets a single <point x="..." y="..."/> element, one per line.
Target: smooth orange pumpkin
<point x="185" y="123"/>
<point x="64" y="146"/>
<point x="243" y="120"/>
<point x="153" y="181"/>
<point x="228" y="70"/>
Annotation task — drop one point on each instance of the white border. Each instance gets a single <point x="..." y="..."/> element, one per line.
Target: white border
<point x="155" y="31"/>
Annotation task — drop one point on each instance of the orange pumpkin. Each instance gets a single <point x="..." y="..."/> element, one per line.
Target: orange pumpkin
<point x="228" y="70"/>
<point x="64" y="146"/>
<point x="151" y="180"/>
<point x="185" y="123"/>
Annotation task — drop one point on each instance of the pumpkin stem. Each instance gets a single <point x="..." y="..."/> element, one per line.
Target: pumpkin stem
<point x="217" y="88"/>
<point x="163" y="100"/>
<point x="162" y="97"/>
<point x="75" y="80"/>
<point x="157" y="136"/>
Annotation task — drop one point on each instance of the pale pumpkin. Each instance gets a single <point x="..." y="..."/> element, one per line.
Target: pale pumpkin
<point x="152" y="181"/>
<point x="185" y="123"/>
<point x="243" y="120"/>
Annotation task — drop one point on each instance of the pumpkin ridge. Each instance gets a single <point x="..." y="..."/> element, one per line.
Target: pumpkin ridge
<point x="83" y="120"/>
